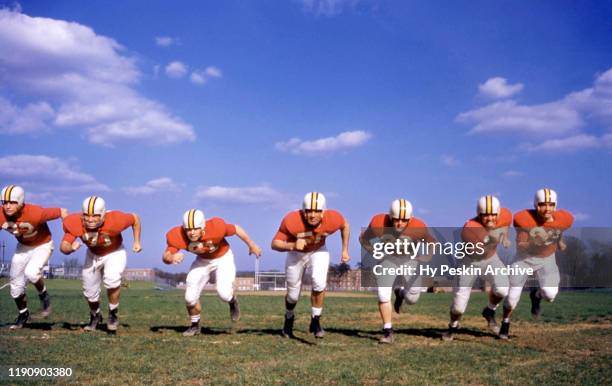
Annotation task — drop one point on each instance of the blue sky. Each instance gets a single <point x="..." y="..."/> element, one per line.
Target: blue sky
<point x="239" y="108"/>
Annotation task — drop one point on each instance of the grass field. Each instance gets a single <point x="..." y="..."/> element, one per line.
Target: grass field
<point x="571" y="344"/>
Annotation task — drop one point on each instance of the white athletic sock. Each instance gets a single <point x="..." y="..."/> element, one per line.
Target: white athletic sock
<point x="23" y="310"/>
<point x="492" y="306"/>
<point x="316" y="311"/>
<point x="113" y="307"/>
<point x="195" y="319"/>
<point x="387" y="325"/>
<point x="96" y="311"/>
<point x="454" y="324"/>
<point x="289" y="313"/>
<point x="506" y="320"/>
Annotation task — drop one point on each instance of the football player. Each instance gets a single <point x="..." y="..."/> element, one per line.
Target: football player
<point x="28" y="223"/>
<point x="399" y="223"/>
<point x="539" y="233"/>
<point x="106" y="257"/>
<point x="206" y="239"/>
<point x="490" y="228"/>
<point x="302" y="235"/>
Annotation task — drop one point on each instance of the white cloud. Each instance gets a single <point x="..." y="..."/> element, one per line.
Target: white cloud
<point x="512" y="174"/>
<point x="201" y="77"/>
<point x="165" y="41"/>
<point x="48" y="173"/>
<point x="262" y="194"/>
<point x="77" y="79"/>
<point x="32" y="118"/>
<point x="546" y="119"/>
<point x="327" y="7"/>
<point x="579" y="216"/>
<point x="162" y="184"/>
<point x="569" y="144"/>
<point x="213" y="72"/>
<point x="499" y="88"/>
<point x="449" y="160"/>
<point x="197" y="77"/>
<point x="344" y="140"/>
<point x="591" y="107"/>
<point x="176" y="69"/>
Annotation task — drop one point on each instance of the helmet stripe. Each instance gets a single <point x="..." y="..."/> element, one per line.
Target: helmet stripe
<point x="7" y="192"/>
<point x="402" y="213"/>
<point x="546" y="195"/>
<point x="489" y="204"/>
<point x="314" y="196"/>
<point x="92" y="205"/>
<point x="191" y="219"/>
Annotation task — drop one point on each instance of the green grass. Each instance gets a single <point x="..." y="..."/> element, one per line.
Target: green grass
<point x="571" y="344"/>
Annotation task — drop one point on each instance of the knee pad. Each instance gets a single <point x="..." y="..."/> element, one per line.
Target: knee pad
<point x="549" y="293"/>
<point x="226" y="294"/>
<point x="384" y="294"/>
<point x="411" y="297"/>
<point x="33" y="274"/>
<point x="501" y="292"/>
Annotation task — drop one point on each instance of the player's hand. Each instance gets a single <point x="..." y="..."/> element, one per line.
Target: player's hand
<point x="506" y="243"/>
<point x="300" y="244"/>
<point x="562" y="245"/>
<point x="345" y="257"/>
<point x="254" y="250"/>
<point x="136" y="247"/>
<point x="177" y="258"/>
<point x="75" y="245"/>
<point x="63" y="213"/>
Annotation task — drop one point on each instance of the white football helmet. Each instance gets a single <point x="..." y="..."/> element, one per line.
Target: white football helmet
<point x="94" y="205"/>
<point x="487" y="205"/>
<point x="545" y="195"/>
<point x="13" y="193"/>
<point x="314" y="201"/>
<point x="193" y="218"/>
<point x="401" y="209"/>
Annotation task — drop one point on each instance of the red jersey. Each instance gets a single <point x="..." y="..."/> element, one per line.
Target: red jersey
<point x="294" y="227"/>
<point x="103" y="240"/>
<point x="211" y="245"/>
<point x="29" y="226"/>
<point x="529" y="226"/>
<point x="416" y="228"/>
<point x="474" y="232"/>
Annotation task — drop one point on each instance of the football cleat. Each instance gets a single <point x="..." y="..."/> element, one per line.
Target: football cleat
<point x="504" y="331"/>
<point x="387" y="337"/>
<point x="234" y="310"/>
<point x="21" y="320"/>
<point x="450" y="334"/>
<point x="46" y="304"/>
<point x="489" y="315"/>
<point x="535" y="303"/>
<point x="288" y="327"/>
<point x="315" y="327"/>
<point x="94" y="320"/>
<point x="113" y="320"/>
<point x="399" y="299"/>
<point x="194" y="329"/>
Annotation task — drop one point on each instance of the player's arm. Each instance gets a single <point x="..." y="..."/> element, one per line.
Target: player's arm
<point x="345" y="233"/>
<point x="281" y="241"/>
<point x="49" y="214"/>
<point x="69" y="242"/>
<point x="136" y="247"/>
<point x="170" y="257"/>
<point x="364" y="240"/>
<point x="67" y="247"/>
<point x="253" y="248"/>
